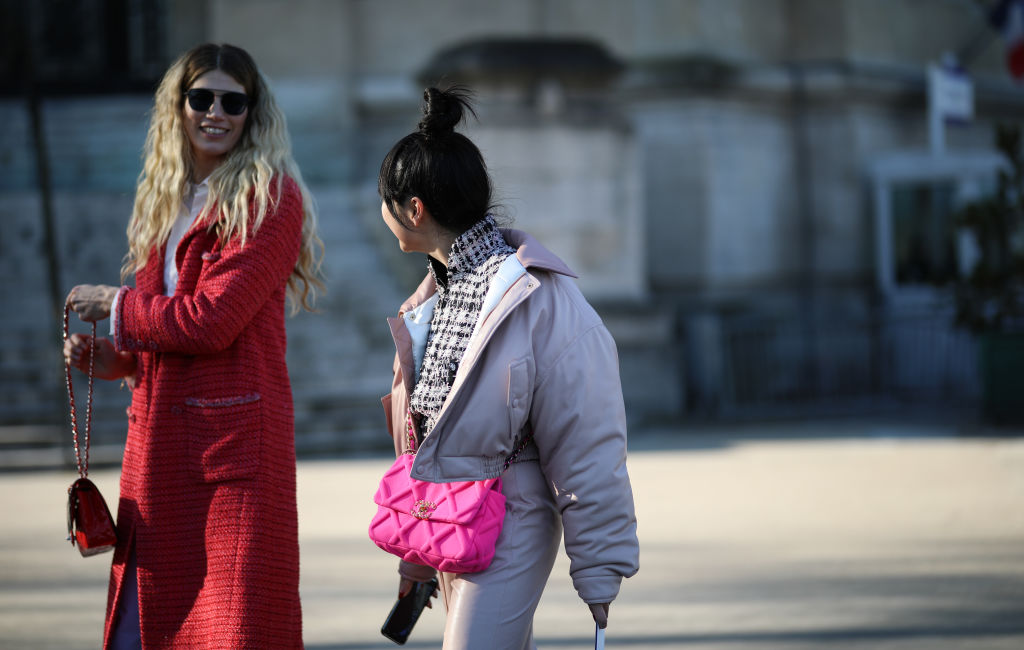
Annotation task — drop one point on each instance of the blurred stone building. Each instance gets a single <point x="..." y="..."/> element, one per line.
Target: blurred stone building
<point x="746" y="187"/>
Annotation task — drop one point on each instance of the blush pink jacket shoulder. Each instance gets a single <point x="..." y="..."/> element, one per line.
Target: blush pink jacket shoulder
<point x="540" y="356"/>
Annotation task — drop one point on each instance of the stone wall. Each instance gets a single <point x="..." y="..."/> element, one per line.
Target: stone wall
<point x="719" y="193"/>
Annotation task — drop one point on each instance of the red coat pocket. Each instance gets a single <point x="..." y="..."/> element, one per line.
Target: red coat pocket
<point x="224" y="436"/>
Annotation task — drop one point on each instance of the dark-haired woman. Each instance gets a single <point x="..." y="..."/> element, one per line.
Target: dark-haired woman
<point x="223" y="229"/>
<point x="498" y="346"/>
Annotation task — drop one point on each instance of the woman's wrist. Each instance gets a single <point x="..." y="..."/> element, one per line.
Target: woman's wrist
<point x="109" y="293"/>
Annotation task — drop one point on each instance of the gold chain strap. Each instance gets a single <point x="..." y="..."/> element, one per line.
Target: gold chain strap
<point x="83" y="465"/>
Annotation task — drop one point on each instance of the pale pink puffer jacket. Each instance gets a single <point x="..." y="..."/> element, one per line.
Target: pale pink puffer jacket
<point x="540" y="355"/>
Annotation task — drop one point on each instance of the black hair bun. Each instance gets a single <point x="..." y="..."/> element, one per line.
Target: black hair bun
<point x="443" y="110"/>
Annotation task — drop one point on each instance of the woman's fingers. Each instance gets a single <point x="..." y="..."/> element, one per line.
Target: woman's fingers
<point x="404" y="585"/>
<point x="76" y="347"/>
<point x="91" y="301"/>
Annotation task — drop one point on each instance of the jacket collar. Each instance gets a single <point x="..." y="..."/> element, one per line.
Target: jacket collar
<point x="530" y="253"/>
<point x="533" y="255"/>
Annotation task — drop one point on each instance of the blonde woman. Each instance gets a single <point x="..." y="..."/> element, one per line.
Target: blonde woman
<point x="223" y="229"/>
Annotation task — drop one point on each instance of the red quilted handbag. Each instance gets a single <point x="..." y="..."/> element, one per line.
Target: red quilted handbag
<point x="90" y="526"/>
<point x="452" y="527"/>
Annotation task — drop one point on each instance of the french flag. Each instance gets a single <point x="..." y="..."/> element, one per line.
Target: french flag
<point x="1008" y="17"/>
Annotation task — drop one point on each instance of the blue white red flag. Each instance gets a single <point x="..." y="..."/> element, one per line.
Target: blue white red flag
<point x="1008" y="17"/>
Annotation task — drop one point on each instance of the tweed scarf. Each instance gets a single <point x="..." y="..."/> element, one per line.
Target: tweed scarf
<point x="474" y="259"/>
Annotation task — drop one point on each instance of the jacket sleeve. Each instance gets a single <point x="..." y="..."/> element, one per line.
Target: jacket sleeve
<point x="579" y="425"/>
<point x="235" y="283"/>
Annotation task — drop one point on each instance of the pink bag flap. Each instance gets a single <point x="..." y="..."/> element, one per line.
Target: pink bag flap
<point x="456" y="502"/>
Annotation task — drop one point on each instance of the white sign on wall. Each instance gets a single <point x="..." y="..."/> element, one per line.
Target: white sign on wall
<point x="950" y="101"/>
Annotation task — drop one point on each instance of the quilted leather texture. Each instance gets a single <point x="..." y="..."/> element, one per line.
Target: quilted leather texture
<point x="90" y="525"/>
<point x="452" y="527"/>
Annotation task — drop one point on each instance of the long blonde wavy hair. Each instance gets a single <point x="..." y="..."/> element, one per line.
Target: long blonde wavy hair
<point x="262" y="154"/>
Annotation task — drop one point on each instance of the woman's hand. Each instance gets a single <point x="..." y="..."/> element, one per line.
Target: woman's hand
<point x="405" y="585"/>
<point x="600" y="614"/>
<point x="109" y="363"/>
<point x="410" y="574"/>
<point x="92" y="301"/>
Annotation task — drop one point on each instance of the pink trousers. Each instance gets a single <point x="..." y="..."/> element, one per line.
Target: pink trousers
<point x="494" y="608"/>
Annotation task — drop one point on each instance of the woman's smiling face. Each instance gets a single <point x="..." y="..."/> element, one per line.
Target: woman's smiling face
<point x="213" y="133"/>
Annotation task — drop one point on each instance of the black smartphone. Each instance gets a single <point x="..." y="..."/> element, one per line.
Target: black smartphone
<point x="407" y="611"/>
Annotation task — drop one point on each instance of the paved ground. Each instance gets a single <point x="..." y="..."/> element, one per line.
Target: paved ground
<point x="824" y="536"/>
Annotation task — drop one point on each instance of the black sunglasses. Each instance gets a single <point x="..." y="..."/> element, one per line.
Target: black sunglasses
<point x="201" y="99"/>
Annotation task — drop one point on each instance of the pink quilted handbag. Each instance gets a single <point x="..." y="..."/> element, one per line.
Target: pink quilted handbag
<point x="452" y="527"/>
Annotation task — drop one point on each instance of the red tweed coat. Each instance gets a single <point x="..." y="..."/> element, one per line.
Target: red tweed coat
<point x="208" y="478"/>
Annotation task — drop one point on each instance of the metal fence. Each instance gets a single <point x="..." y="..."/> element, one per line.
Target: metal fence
<point x="786" y="365"/>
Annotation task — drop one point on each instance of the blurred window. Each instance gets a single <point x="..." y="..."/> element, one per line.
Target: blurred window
<point x="923" y="233"/>
<point x="916" y="196"/>
<point x="83" y="46"/>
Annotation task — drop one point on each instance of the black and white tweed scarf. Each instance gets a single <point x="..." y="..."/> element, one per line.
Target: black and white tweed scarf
<point x="474" y="259"/>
